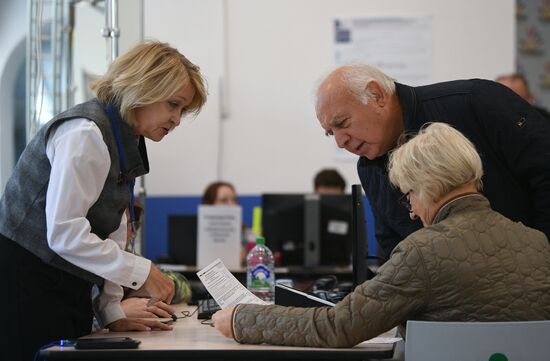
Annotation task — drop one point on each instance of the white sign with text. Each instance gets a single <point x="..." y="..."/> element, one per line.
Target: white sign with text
<point x="219" y="235"/>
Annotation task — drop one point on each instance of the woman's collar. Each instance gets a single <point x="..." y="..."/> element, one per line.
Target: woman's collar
<point x="441" y="212"/>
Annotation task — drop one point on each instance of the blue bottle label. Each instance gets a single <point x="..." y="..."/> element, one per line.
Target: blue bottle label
<point x="260" y="276"/>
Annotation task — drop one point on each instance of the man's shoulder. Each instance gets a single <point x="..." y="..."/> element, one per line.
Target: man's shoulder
<point x="451" y="88"/>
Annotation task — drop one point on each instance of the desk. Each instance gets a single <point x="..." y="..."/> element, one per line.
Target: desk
<point x="304" y="277"/>
<point x="190" y="340"/>
<point x="279" y="271"/>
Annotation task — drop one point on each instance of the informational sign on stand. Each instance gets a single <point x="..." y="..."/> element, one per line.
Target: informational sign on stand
<point x="219" y="235"/>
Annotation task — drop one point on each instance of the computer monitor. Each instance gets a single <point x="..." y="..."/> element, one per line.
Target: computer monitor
<point x="283" y="226"/>
<point x="360" y="247"/>
<point x="308" y="229"/>
<point x="336" y="237"/>
<point x="182" y="239"/>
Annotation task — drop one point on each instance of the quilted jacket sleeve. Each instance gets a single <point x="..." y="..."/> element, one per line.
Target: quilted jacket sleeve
<point x="400" y="289"/>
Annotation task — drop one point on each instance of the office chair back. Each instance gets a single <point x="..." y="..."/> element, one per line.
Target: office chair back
<point x="477" y="341"/>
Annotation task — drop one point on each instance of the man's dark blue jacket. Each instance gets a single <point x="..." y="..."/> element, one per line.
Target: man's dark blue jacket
<point x="512" y="138"/>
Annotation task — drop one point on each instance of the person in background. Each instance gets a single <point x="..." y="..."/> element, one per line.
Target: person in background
<point x="329" y="181"/>
<point x="222" y="193"/>
<point x="62" y="222"/>
<point x="137" y="304"/>
<point x="468" y="263"/>
<point x="518" y="83"/>
<point x="366" y="112"/>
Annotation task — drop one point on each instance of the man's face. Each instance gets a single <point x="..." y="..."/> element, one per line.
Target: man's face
<point x="361" y="129"/>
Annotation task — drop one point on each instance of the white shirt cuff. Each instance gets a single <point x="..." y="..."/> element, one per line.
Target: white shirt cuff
<point x="140" y="271"/>
<point x="109" y="314"/>
<point x="106" y="303"/>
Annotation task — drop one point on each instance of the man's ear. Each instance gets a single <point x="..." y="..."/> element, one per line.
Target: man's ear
<point x="376" y="93"/>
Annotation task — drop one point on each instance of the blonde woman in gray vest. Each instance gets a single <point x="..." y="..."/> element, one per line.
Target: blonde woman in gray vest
<point x="62" y="221"/>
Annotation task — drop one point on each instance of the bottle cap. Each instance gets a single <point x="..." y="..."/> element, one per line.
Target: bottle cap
<point x="260" y="240"/>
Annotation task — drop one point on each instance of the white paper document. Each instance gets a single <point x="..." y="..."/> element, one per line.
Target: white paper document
<point x="382" y="340"/>
<point x="224" y="287"/>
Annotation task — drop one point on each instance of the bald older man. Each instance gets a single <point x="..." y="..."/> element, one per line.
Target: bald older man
<point x="366" y="112"/>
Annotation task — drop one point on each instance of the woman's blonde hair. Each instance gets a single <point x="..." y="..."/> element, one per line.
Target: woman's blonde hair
<point x="148" y="73"/>
<point x="436" y="161"/>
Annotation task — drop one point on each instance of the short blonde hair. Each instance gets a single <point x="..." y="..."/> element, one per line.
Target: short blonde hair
<point x="148" y="73"/>
<point x="436" y="161"/>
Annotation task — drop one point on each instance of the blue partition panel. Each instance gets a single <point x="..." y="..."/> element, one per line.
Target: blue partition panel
<point x="159" y="208"/>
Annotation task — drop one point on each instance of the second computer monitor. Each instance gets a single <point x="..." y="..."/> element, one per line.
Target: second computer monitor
<point x="308" y="229"/>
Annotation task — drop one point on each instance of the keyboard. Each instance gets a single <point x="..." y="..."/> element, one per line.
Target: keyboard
<point x="206" y="308"/>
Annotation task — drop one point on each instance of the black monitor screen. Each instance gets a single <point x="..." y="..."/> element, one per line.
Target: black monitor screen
<point x="182" y="239"/>
<point x="285" y="229"/>
<point x="336" y="243"/>
<point x="359" y="238"/>
<point x="283" y="226"/>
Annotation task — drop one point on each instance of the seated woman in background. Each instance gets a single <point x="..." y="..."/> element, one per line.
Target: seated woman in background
<point x="469" y="263"/>
<point x="224" y="194"/>
<point x="220" y="194"/>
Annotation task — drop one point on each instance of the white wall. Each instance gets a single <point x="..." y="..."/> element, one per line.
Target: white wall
<point x="266" y="56"/>
<point x="90" y="47"/>
<point x="275" y="51"/>
<point x="90" y="55"/>
<point x="13" y="27"/>
<point x="189" y="157"/>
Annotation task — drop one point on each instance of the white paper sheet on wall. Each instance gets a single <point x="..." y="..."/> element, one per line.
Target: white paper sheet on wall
<point x="399" y="46"/>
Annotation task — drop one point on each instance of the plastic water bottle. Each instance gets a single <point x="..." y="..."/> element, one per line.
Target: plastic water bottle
<point x="260" y="271"/>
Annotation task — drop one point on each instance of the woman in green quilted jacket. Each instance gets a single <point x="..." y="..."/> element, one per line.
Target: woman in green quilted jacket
<point x="468" y="263"/>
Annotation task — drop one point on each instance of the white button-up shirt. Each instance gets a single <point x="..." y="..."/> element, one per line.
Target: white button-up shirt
<point x="80" y="163"/>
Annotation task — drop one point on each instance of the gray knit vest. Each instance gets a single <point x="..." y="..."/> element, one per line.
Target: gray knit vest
<point x="22" y="207"/>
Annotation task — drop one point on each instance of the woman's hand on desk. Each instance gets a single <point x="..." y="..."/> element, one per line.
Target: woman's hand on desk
<point x="158" y="286"/>
<point x="223" y="321"/>
<point x="137" y="324"/>
<point x="137" y="307"/>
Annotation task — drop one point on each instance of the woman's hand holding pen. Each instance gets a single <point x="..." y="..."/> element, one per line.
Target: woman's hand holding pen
<point x="158" y="286"/>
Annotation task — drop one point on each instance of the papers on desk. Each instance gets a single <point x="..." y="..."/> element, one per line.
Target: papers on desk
<point x="382" y="340"/>
<point x="224" y="287"/>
